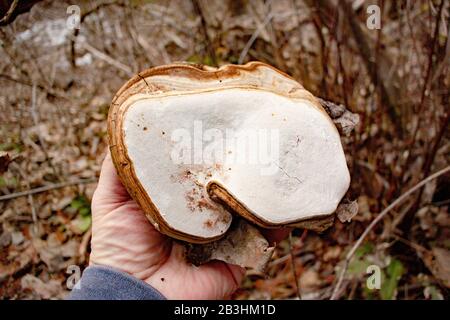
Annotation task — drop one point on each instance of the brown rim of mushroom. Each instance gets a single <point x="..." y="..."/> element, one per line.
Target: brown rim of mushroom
<point x="303" y="180"/>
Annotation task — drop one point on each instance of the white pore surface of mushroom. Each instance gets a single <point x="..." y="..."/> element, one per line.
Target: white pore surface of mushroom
<point x="201" y="155"/>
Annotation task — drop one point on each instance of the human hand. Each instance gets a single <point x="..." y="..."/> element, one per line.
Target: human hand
<point x="124" y="239"/>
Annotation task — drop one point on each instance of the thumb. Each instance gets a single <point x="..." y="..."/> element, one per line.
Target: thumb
<point x="110" y="193"/>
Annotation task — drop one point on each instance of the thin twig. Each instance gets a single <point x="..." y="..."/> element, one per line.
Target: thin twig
<point x="46" y="188"/>
<point x="30" y="198"/>
<point x="294" y="271"/>
<point x="425" y="86"/>
<point x="76" y="31"/>
<point x="23" y="71"/>
<point x="50" y="93"/>
<point x="103" y="56"/>
<point x="204" y="28"/>
<point x="429" y="159"/>
<point x="33" y="214"/>
<point x="254" y="36"/>
<point x="378" y="219"/>
<point x="7" y="16"/>
<point x="411" y="244"/>
<point x="36" y="121"/>
<point x="35" y="117"/>
<point x="387" y="92"/>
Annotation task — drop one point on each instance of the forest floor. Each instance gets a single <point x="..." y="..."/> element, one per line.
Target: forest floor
<point x="57" y="82"/>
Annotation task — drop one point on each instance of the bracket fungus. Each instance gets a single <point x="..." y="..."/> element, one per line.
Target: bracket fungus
<point x="197" y="147"/>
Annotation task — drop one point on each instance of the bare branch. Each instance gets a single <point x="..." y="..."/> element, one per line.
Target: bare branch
<point x="46" y="188"/>
<point x="8" y="15"/>
<point x="294" y="271"/>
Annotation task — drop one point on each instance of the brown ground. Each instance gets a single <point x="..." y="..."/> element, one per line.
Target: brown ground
<point x="56" y="86"/>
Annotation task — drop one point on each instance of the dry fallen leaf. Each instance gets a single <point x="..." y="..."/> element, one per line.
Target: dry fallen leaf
<point x="51" y="289"/>
<point x="5" y="160"/>
<point x="332" y="253"/>
<point x="55" y="255"/>
<point x="346" y="211"/>
<point x="20" y="263"/>
<point x="439" y="264"/>
<point x="309" y="280"/>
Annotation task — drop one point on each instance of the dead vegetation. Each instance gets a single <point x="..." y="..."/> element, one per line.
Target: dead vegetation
<point x="57" y="82"/>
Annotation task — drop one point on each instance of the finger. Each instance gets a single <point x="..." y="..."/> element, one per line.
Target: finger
<point x="275" y="236"/>
<point x="109" y="192"/>
<point x="109" y="181"/>
<point x="237" y="272"/>
<point x="228" y="278"/>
